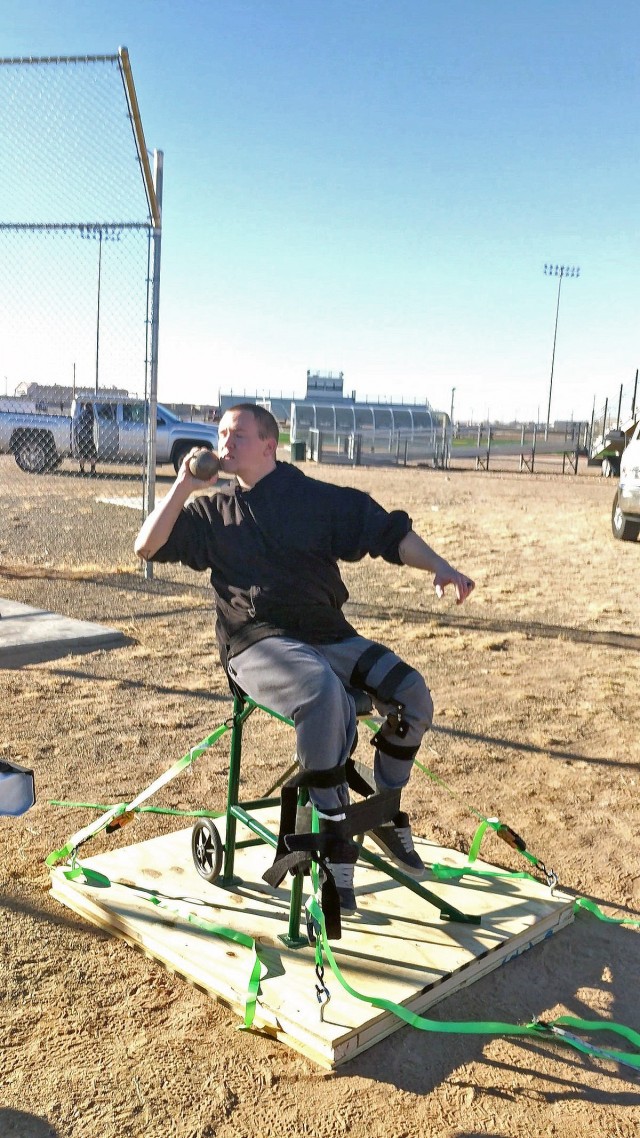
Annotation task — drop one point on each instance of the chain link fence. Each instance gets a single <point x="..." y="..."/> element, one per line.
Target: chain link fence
<point x="78" y="220"/>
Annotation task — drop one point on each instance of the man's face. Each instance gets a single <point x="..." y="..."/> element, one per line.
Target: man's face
<point x="240" y="448"/>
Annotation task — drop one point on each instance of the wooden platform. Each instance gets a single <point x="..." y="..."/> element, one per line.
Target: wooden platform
<point x="396" y="947"/>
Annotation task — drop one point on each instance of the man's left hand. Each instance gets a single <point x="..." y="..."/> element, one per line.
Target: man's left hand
<point x="462" y="584"/>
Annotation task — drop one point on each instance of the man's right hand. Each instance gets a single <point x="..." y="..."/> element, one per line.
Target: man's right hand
<point x="185" y="475"/>
<point x="157" y="527"/>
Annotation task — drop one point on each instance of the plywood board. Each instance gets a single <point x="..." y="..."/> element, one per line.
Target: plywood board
<point x="396" y="947"/>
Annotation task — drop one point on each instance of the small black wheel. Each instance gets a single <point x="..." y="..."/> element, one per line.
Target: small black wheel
<point x="206" y="849"/>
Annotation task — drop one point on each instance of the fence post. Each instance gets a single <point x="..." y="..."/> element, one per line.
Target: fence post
<point x="158" y="170"/>
<point x="589" y="444"/>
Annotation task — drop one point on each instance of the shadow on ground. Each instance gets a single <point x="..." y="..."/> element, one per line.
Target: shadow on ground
<point x="583" y="957"/>
<point x="20" y="1124"/>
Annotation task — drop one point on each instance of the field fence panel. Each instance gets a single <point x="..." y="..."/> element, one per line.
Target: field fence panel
<point x="619" y="411"/>
<point x="75" y="249"/>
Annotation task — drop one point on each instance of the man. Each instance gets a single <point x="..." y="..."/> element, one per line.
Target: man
<point x="272" y="542"/>
<point x="85" y="443"/>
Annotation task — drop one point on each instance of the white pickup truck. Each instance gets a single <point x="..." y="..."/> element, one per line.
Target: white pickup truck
<point x="39" y="443"/>
<point x="625" y="515"/>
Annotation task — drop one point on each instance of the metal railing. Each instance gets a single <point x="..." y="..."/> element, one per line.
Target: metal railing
<point x="369" y="448"/>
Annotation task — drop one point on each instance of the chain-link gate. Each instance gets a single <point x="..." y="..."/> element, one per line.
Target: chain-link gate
<point x="79" y="279"/>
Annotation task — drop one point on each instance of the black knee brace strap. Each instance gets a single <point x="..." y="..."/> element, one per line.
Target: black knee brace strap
<point x="395" y="750"/>
<point x="385" y="690"/>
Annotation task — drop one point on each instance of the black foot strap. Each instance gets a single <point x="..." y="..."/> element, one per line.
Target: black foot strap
<point x="288" y="808"/>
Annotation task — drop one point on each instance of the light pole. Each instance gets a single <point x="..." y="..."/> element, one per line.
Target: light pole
<point x="559" y="271"/>
<point x="98" y="309"/>
<point x="106" y="233"/>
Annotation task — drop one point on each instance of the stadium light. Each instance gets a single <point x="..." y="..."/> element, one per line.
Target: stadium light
<point x="559" y="271"/>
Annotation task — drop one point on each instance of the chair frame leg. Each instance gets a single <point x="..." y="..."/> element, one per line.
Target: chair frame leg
<point x="239" y="812"/>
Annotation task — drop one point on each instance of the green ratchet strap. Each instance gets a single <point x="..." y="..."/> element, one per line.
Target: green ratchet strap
<point x="113" y="817"/>
<point x="591" y="907"/>
<point x="554" y="1029"/>
<point x="100" y="880"/>
<point x="448" y="873"/>
<point x="138" y="809"/>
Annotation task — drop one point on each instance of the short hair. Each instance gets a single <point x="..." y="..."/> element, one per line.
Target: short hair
<point x="267" y="425"/>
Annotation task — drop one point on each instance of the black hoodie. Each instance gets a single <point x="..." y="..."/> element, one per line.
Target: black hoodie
<point x="273" y="553"/>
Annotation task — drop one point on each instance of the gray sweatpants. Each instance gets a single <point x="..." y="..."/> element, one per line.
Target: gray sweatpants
<point x="306" y="683"/>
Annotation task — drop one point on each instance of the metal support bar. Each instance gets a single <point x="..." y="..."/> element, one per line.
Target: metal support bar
<point x="138" y="134"/>
<point x="238" y="812"/>
<point x="240" y="713"/>
<point x="447" y="912"/>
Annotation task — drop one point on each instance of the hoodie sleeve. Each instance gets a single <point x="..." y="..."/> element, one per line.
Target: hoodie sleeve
<point x="361" y="526"/>
<point x="190" y="539"/>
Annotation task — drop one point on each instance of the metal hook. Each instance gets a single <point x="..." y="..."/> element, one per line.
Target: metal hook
<point x="323" y="995"/>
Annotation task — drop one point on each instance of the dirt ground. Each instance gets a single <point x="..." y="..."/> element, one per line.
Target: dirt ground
<point x="536" y="683"/>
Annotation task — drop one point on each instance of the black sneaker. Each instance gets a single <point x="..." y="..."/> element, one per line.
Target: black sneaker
<point x="396" y="841"/>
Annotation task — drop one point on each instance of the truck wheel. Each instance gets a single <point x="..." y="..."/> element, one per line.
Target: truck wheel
<point x="622" y="527"/>
<point x="36" y="455"/>
<point x="184" y="448"/>
<point x="179" y="454"/>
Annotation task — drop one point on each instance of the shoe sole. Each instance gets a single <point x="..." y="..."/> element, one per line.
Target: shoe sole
<point x="410" y="871"/>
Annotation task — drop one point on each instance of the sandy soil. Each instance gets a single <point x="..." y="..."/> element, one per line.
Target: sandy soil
<point x="536" y="683"/>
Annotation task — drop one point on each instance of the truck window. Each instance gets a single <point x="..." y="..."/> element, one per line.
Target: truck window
<point x="133" y="412"/>
<point x="106" y="412"/>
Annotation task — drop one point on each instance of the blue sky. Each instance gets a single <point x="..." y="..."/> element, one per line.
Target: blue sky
<point x="374" y="187"/>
